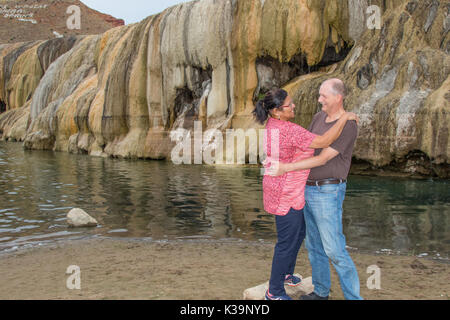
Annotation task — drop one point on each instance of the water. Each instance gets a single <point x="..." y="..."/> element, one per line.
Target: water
<point x="159" y="200"/>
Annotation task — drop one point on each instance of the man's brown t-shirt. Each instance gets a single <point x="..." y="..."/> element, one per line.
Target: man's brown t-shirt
<point x="339" y="166"/>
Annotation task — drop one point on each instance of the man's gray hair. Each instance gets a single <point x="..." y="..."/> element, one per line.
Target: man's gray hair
<point x="338" y="87"/>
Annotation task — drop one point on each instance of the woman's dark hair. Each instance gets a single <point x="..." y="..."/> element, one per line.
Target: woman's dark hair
<point x="272" y="100"/>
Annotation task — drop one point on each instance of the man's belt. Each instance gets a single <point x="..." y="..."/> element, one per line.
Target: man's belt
<point x="319" y="183"/>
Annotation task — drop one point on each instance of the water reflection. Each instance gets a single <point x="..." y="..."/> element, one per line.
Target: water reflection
<point x="398" y="214"/>
<point x="161" y="200"/>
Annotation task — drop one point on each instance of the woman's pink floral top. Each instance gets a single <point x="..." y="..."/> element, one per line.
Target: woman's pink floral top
<point x="291" y="142"/>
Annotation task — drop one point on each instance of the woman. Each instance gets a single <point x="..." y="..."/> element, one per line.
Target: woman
<point x="284" y="195"/>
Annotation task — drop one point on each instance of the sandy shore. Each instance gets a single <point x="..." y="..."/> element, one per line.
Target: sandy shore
<point x="199" y="270"/>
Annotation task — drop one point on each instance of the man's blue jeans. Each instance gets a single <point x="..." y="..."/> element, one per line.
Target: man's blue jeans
<point x="325" y="240"/>
<point x="290" y="233"/>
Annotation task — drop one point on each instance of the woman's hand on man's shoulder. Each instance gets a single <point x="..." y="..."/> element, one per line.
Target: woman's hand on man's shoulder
<point x="351" y="116"/>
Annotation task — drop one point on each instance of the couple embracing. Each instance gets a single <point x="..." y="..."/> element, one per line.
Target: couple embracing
<point x="308" y="203"/>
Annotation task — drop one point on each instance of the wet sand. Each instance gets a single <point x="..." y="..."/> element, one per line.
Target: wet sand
<point x="196" y="270"/>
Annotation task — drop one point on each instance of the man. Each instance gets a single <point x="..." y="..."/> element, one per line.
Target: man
<point x="324" y="195"/>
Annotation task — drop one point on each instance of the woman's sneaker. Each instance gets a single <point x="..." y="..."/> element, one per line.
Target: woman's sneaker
<point x="273" y="297"/>
<point x="292" y="281"/>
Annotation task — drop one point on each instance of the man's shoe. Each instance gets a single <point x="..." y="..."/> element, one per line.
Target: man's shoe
<point x="273" y="297"/>
<point x="313" y="296"/>
<point x="292" y="281"/>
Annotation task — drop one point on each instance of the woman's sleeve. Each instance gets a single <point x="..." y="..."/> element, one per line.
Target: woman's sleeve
<point x="301" y="138"/>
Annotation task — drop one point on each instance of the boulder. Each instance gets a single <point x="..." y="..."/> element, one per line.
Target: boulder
<point x="258" y="292"/>
<point x="79" y="218"/>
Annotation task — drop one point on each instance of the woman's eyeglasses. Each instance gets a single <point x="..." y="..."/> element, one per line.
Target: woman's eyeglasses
<point x="288" y="106"/>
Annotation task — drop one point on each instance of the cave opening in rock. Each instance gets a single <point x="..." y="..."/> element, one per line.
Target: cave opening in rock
<point x="275" y="74"/>
<point x="330" y="55"/>
<point x="187" y="99"/>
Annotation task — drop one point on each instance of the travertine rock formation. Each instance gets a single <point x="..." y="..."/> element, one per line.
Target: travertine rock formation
<point x="122" y="93"/>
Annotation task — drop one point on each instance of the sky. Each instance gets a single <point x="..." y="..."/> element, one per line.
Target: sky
<point x="131" y="10"/>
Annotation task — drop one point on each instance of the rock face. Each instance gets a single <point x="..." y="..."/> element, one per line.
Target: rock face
<point x="122" y="93"/>
<point x="22" y="66"/>
<point x="78" y="218"/>
<point x="400" y="88"/>
<point x="29" y="20"/>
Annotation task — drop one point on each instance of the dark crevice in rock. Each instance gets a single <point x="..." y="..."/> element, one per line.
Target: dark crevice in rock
<point x="2" y="106"/>
<point x="29" y="96"/>
<point x="331" y="56"/>
<point x="186" y="107"/>
<point x="364" y="76"/>
<point x="187" y="99"/>
<point x="229" y="111"/>
<point x="411" y="6"/>
<point x="183" y="101"/>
